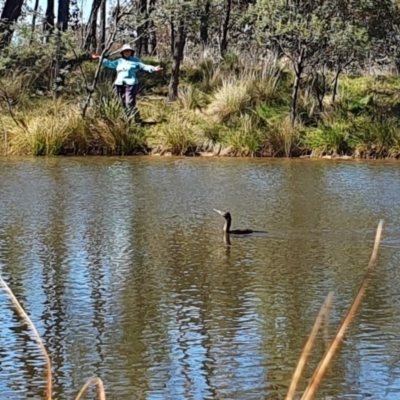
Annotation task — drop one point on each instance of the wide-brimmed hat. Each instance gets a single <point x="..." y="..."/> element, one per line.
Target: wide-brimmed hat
<point x="123" y="48"/>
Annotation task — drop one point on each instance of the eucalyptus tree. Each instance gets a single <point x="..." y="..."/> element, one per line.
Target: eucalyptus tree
<point x="145" y="26"/>
<point x="90" y="40"/>
<point x="348" y="45"/>
<point x="49" y="17"/>
<point x="222" y="21"/>
<point x="205" y="21"/>
<point x="34" y="16"/>
<point x="103" y="18"/>
<point x="225" y="26"/>
<point x="179" y="20"/>
<point x="381" y="19"/>
<point x="63" y="15"/>
<point x="297" y="31"/>
<point x="9" y="17"/>
<point x="318" y="36"/>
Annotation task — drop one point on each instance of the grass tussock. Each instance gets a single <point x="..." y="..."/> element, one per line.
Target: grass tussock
<point x="14" y="89"/>
<point x="37" y="133"/>
<point x="58" y="128"/>
<point x="177" y="136"/>
<point x="230" y="100"/>
<point x="192" y="98"/>
<point x="245" y="138"/>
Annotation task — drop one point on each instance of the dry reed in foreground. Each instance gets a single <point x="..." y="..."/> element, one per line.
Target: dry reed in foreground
<point x="330" y="352"/>
<point x="49" y="376"/>
<point x="323" y="315"/>
<point x="21" y="312"/>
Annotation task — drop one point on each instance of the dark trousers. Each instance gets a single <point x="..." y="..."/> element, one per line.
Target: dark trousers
<point x="127" y="94"/>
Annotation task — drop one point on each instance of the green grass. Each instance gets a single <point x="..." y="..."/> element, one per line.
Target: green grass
<point x="225" y="108"/>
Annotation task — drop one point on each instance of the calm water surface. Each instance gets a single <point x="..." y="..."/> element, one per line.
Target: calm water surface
<point x="122" y="267"/>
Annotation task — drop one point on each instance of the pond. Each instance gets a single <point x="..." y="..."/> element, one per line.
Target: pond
<point x="122" y="266"/>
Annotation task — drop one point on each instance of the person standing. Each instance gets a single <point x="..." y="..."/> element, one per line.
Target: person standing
<point x="126" y="84"/>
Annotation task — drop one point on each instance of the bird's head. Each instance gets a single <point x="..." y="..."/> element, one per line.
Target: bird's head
<point x="225" y="214"/>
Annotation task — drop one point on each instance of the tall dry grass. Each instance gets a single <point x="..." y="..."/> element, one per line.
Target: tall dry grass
<point x="229" y="101"/>
<point x="192" y="98"/>
<point x="178" y="136"/>
<point x="228" y="117"/>
<point x="245" y="138"/>
<point x="39" y="132"/>
<point x="57" y="127"/>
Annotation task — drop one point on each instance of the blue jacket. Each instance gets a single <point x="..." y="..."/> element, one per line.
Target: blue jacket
<point x="127" y="69"/>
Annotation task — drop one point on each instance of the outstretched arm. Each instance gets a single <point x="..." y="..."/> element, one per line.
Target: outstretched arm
<point x="106" y="63"/>
<point x="149" y="68"/>
<point x="110" y="64"/>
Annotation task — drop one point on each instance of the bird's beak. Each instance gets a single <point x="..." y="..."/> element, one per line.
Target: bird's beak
<point x="219" y="212"/>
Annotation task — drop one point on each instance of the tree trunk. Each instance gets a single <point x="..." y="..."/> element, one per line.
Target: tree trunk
<point x="63" y="13"/>
<point x="152" y="39"/>
<point x="204" y="20"/>
<point x="103" y="17"/>
<point x="49" y="18"/>
<point x="90" y="42"/>
<point x="320" y="88"/>
<point x="225" y="28"/>
<point x="56" y="66"/>
<point x="298" y="67"/>
<point x="335" y="85"/>
<point x="179" y="45"/>
<point x="172" y="31"/>
<point x="11" y="13"/>
<point x="35" y="11"/>
<point x="152" y="28"/>
<point x="142" y="30"/>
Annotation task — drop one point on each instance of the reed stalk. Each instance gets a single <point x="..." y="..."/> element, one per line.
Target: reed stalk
<point x="49" y="395"/>
<point x="21" y="312"/>
<point x="308" y="346"/>
<point x="100" y="388"/>
<point x="322" y="367"/>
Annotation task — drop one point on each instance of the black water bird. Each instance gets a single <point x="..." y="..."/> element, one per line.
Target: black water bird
<point x="228" y="222"/>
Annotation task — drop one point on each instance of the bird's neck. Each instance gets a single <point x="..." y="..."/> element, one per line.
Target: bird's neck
<point x="227" y="226"/>
<point x="227" y="238"/>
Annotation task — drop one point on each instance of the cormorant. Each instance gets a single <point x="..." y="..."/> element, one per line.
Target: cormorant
<point x="227" y="226"/>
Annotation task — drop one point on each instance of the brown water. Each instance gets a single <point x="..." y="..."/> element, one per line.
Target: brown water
<point x="122" y="267"/>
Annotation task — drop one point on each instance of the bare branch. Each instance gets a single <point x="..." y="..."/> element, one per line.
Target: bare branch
<point x="21" y="124"/>
<point x="110" y="41"/>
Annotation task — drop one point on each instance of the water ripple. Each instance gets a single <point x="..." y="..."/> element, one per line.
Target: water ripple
<point x="122" y="266"/>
